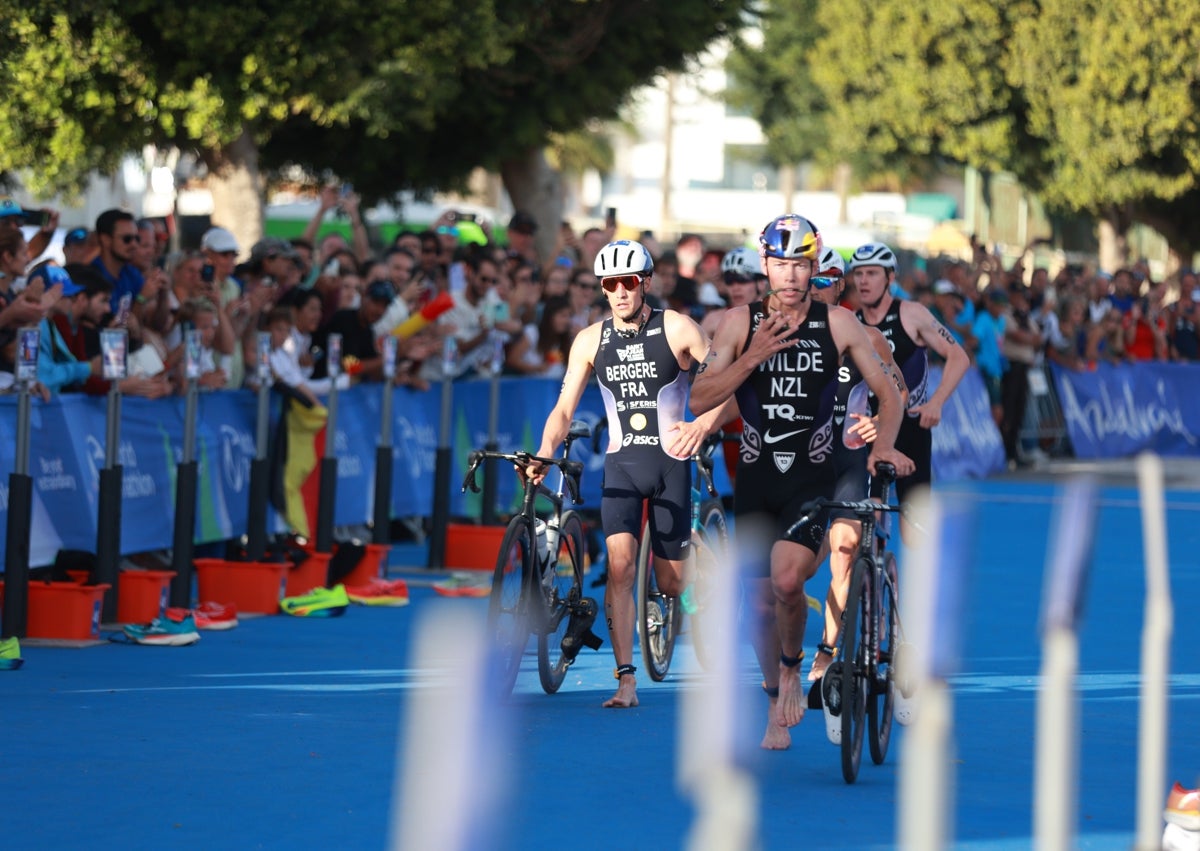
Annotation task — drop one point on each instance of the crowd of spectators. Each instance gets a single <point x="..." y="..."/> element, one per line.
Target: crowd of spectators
<point x="510" y="308"/>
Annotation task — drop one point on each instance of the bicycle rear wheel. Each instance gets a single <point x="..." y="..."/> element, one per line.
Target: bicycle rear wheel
<point x="855" y="682"/>
<point x="710" y="554"/>
<point x="508" y="625"/>
<point x="562" y="589"/>
<point x="879" y="709"/>
<point x="657" y="614"/>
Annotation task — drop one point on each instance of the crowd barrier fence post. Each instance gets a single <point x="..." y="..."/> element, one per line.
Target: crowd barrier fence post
<point x="183" y="542"/>
<point x="20" y="497"/>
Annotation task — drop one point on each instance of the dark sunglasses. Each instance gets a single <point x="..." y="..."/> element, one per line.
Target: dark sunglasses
<point x="824" y="282"/>
<point x="629" y="282"/>
<point x="487" y="279"/>
<point x="129" y="237"/>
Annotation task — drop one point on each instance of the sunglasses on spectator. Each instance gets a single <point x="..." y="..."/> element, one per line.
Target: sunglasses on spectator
<point x="129" y="237"/>
<point x="824" y="282"/>
<point x="629" y="282"/>
<point x="487" y="279"/>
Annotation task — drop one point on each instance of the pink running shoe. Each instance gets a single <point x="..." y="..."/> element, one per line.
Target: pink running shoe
<point x="210" y="616"/>
<point x="379" y="592"/>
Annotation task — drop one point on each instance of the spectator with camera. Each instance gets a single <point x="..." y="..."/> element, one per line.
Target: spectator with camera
<point x="13" y="216"/>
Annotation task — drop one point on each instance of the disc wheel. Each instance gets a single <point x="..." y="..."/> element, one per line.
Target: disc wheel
<point x="709" y="555"/>
<point x="855" y="685"/>
<point x="561" y="588"/>
<point x="882" y="701"/>
<point x="657" y="614"/>
<point x="508" y="624"/>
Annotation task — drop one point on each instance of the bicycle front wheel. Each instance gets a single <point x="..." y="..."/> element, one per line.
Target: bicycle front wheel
<point x="508" y="624"/>
<point x="657" y="614"/>
<point x="562" y="589"/>
<point x="709" y="555"/>
<point x="856" y="685"/>
<point x="882" y="702"/>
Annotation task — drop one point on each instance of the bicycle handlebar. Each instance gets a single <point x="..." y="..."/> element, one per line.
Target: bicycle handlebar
<point x="572" y="470"/>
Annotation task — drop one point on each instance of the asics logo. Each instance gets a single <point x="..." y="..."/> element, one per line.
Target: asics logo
<point x="775" y="438"/>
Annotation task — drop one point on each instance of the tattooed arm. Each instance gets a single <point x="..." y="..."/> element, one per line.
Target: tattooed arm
<point x="934" y="335"/>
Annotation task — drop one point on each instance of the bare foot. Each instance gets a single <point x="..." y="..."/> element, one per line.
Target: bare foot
<point x="777" y="737"/>
<point x="626" y="695"/>
<point x="790" y="710"/>
<point x="820" y="662"/>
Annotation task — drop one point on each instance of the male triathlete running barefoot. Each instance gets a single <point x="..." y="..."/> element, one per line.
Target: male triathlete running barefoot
<point x="780" y="357"/>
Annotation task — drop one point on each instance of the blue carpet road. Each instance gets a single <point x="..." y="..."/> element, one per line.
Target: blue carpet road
<point x="283" y="733"/>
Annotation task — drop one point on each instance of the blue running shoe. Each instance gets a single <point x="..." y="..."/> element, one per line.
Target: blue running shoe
<point x="164" y="632"/>
<point x="317" y="603"/>
<point x="10" y="654"/>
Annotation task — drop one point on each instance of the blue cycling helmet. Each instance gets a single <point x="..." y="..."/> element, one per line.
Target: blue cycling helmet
<point x="789" y="237"/>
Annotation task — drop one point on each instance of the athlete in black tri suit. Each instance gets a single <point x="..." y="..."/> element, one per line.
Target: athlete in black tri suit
<point x="853" y="429"/>
<point x="780" y="358"/>
<point x="642" y="359"/>
<point x="910" y="329"/>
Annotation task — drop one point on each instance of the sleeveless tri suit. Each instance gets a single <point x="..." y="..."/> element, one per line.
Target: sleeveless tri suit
<point x="913" y="360"/>
<point x="645" y="393"/>
<point x="787" y="406"/>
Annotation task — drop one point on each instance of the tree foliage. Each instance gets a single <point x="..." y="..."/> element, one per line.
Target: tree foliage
<point x="391" y="95"/>
<point x="1091" y="103"/>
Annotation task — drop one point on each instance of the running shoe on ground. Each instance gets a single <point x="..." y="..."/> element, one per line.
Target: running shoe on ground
<point x="1183" y="807"/>
<point x="464" y="585"/>
<point x="317" y="603"/>
<point x="164" y="632"/>
<point x="208" y="616"/>
<point x="10" y="654"/>
<point x="379" y="592"/>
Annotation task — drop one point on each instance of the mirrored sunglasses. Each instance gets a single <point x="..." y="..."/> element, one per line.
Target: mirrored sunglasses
<point x="824" y="282"/>
<point x="629" y="282"/>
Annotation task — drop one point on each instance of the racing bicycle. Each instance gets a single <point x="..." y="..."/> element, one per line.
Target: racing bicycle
<point x="859" y="686"/>
<point x="537" y="585"/>
<point x="660" y="616"/>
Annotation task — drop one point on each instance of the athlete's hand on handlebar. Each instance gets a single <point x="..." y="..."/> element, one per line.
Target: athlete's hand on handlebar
<point x="535" y="470"/>
<point x="903" y="464"/>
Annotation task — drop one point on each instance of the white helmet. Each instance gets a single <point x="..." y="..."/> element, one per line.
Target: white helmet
<point x="743" y="263"/>
<point x="623" y="257"/>
<point x="873" y="254"/>
<point x="831" y="261"/>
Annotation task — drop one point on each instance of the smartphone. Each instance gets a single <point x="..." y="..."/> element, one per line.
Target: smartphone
<point x="207" y="273"/>
<point x="40" y="218"/>
<point x="611" y="217"/>
<point x="465" y="217"/>
<point x="347" y="188"/>
<point x="123" y="307"/>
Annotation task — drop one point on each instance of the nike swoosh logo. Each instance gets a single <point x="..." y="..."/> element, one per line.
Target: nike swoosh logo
<point x="769" y="438"/>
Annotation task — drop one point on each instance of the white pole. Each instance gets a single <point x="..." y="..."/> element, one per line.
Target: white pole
<point x="1156" y="649"/>
<point x="924" y="812"/>
<point x="1069" y="554"/>
<point x="726" y="796"/>
<point x="1054" y="786"/>
<point x="447" y="763"/>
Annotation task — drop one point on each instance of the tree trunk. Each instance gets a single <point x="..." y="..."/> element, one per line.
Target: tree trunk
<point x="1113" y="231"/>
<point x="533" y="186"/>
<point x="842" y="172"/>
<point x="237" y="191"/>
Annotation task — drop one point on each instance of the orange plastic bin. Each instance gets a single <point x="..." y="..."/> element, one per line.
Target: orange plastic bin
<point x="251" y="586"/>
<point x="65" y="610"/>
<point x="472" y="547"/>
<point x="142" y="594"/>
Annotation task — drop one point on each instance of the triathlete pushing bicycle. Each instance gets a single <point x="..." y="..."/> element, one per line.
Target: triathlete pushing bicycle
<point x="779" y="358"/>
<point x="642" y="359"/>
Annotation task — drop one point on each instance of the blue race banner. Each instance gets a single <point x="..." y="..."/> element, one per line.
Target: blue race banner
<point x="1115" y="411"/>
<point x="966" y="443"/>
<point x="1121" y="410"/>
